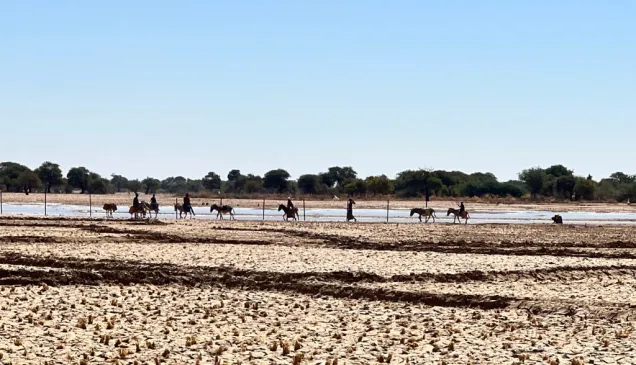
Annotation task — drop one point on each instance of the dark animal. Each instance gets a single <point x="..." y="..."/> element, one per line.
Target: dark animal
<point x="153" y="208"/>
<point x="224" y="209"/>
<point x="141" y="210"/>
<point x="557" y="219"/>
<point x="110" y="208"/>
<point x="289" y="212"/>
<point x="457" y="216"/>
<point x="179" y="207"/>
<point x="426" y="212"/>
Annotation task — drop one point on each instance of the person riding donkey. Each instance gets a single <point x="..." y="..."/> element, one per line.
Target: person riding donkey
<point x="290" y="205"/>
<point x="136" y="201"/>
<point x="462" y="209"/>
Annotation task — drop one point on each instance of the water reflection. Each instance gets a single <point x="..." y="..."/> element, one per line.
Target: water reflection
<point x="335" y="215"/>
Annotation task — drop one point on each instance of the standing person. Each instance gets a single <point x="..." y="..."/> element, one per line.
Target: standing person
<point x="187" y="207"/>
<point x="153" y="203"/>
<point x="350" y="216"/>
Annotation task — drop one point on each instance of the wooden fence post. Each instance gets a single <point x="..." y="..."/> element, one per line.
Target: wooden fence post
<point x="0" y="201"/>
<point x="90" y="205"/>
<point x="304" y="211"/>
<point x="45" y="201"/>
<point x="263" y="209"/>
<point x="176" y="201"/>
<point x="387" y="211"/>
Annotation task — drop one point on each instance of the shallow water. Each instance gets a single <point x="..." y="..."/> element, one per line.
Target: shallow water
<point x="336" y="215"/>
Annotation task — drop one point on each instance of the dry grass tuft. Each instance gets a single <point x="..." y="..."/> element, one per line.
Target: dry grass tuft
<point x="191" y="340"/>
<point x="286" y="349"/>
<point x="298" y="358"/>
<point x="220" y="350"/>
<point x="123" y="352"/>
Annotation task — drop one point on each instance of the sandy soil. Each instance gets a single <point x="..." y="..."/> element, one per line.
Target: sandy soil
<point x="125" y="199"/>
<point x="108" y="291"/>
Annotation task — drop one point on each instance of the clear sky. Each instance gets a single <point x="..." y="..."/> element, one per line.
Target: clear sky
<point x="165" y="88"/>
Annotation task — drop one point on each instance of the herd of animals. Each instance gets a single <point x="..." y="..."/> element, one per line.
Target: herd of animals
<point x="144" y="209"/>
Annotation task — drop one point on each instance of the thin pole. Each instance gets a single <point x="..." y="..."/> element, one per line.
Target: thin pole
<point x="387" y="211"/>
<point x="263" y="209"/>
<point x="90" y="205"/>
<point x="304" y="213"/>
<point x="176" y="201"/>
<point x="45" y="202"/>
<point x="0" y="201"/>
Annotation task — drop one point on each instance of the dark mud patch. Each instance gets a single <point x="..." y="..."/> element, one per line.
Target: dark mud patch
<point x="47" y="239"/>
<point x="418" y="244"/>
<point x="562" y="273"/>
<point x="128" y="274"/>
<point x="162" y="237"/>
<point x="330" y="284"/>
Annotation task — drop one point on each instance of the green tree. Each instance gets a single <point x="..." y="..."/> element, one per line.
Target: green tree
<point x="50" y="174"/>
<point x="564" y="186"/>
<point x="379" y="185"/>
<point x="276" y="180"/>
<point x="150" y="185"/>
<point x="79" y="178"/>
<point x="309" y="184"/>
<point x="119" y="182"/>
<point x="134" y="185"/>
<point x="558" y="171"/>
<point x="194" y="185"/>
<point x="511" y="188"/>
<point x="9" y="174"/>
<point x="584" y="189"/>
<point x="337" y="175"/>
<point x="534" y="178"/>
<point x="234" y="175"/>
<point x="253" y="184"/>
<point x="211" y="181"/>
<point x="98" y="185"/>
<point x="29" y="180"/>
<point x="622" y="178"/>
<point x="235" y="181"/>
<point x="608" y="189"/>
<point x="355" y="187"/>
<point x="412" y="183"/>
<point x="327" y="179"/>
<point x="174" y="185"/>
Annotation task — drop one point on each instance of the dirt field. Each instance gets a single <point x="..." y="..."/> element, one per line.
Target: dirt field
<point x="125" y="199"/>
<point x="185" y="292"/>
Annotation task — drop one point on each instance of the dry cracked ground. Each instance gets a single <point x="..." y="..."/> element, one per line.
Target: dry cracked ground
<point x="77" y="291"/>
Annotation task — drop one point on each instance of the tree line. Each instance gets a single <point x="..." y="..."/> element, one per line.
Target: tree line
<point x="555" y="182"/>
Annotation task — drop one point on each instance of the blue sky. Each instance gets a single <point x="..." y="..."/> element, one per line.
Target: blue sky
<point x="166" y="88"/>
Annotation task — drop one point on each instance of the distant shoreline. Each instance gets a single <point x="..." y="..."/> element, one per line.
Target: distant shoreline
<point x="169" y="199"/>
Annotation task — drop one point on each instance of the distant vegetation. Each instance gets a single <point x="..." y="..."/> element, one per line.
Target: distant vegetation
<point x="553" y="183"/>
